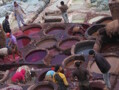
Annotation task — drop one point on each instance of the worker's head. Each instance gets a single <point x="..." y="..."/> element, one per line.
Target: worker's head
<point x="8" y="35"/>
<point x="62" y="2"/>
<point x="7" y="16"/>
<point x="58" y="68"/>
<point x="53" y="68"/>
<point x="77" y="63"/>
<point x="92" y="53"/>
<point x="15" y="4"/>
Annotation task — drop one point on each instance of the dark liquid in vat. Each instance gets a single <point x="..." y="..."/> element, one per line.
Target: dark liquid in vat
<point x="23" y="42"/>
<point x="31" y="31"/>
<point x="44" y="88"/>
<point x="36" y="56"/>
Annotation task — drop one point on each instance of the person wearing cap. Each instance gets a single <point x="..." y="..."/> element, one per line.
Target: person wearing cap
<point x="102" y="64"/>
<point x="49" y="75"/>
<point x="11" y="43"/>
<point x="28" y="75"/>
<point x="18" y="11"/>
<point x="27" y="71"/>
<point x="6" y="25"/>
<point x="19" y="77"/>
<point x="82" y="75"/>
<point x="60" y="78"/>
<point x="64" y="9"/>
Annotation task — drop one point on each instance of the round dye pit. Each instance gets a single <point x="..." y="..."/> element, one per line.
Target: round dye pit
<point x="31" y="31"/>
<point x="83" y="47"/>
<point x="104" y="20"/>
<point x="69" y="61"/>
<point x="58" y="59"/>
<point x="23" y="41"/>
<point x="82" y="28"/>
<point x="47" y="43"/>
<point x="114" y="62"/>
<point x="91" y="32"/>
<point x="36" y="56"/>
<point x="59" y="32"/>
<point x="68" y="43"/>
<point x="44" y="87"/>
<point x="110" y="47"/>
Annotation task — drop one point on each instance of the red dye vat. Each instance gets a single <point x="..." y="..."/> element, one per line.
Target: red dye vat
<point x="45" y="87"/>
<point x="32" y="31"/>
<point x="58" y="59"/>
<point x="22" y="42"/>
<point x="36" y="56"/>
<point x="68" y="44"/>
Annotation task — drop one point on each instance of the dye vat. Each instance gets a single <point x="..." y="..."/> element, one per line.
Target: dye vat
<point x="45" y="85"/>
<point x="104" y="20"/>
<point x="69" y="61"/>
<point x="92" y="32"/>
<point x="110" y="47"/>
<point x="83" y="47"/>
<point x="47" y="43"/>
<point x="67" y="43"/>
<point x="114" y="62"/>
<point x="58" y="32"/>
<point x="78" y="31"/>
<point x="23" y="41"/>
<point x="58" y="59"/>
<point x="31" y="31"/>
<point x="36" y="56"/>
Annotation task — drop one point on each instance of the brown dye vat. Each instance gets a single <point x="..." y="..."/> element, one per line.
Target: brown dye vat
<point x="36" y="56"/>
<point x="31" y="31"/>
<point x="69" y="61"/>
<point x="82" y="30"/>
<point x="110" y="47"/>
<point x="23" y="41"/>
<point x="68" y="43"/>
<point x="47" y="44"/>
<point x="114" y="62"/>
<point x="106" y="22"/>
<point x="44" y="87"/>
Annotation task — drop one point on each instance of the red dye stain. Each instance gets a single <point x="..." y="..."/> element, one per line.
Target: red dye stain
<point x="68" y="44"/>
<point x="58" y="59"/>
<point x="32" y="31"/>
<point x="10" y="59"/>
<point x="36" y="56"/>
<point x="22" y="42"/>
